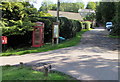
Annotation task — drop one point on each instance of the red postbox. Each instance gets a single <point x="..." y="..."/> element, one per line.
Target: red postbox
<point x="38" y="35"/>
<point x="4" y="40"/>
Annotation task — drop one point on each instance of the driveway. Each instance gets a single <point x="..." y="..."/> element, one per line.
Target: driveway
<point x="95" y="58"/>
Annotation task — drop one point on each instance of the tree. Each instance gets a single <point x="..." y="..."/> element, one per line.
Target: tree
<point x="91" y="5"/>
<point x="45" y="6"/>
<point x="42" y="14"/>
<point x="53" y="6"/>
<point x="90" y="17"/>
<point x="116" y="20"/>
<point x="12" y="11"/>
<point x="105" y="11"/>
<point x="15" y="18"/>
<point x="68" y="7"/>
<point x="109" y="11"/>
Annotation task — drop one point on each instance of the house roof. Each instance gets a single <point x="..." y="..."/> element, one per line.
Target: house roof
<point x="69" y="15"/>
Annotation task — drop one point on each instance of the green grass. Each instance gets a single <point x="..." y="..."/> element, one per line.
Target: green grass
<point x="26" y="73"/>
<point x="68" y="43"/>
<point x="113" y="36"/>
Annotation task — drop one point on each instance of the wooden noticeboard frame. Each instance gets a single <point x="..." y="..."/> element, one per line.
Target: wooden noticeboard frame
<point x="55" y="32"/>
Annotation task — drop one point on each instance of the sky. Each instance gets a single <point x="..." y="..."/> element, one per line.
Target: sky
<point x="37" y="3"/>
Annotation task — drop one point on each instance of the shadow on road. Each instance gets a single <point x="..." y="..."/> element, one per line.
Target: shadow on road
<point x="84" y="67"/>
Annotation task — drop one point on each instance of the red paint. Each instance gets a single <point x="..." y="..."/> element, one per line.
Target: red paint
<point x="39" y="33"/>
<point x="4" y="40"/>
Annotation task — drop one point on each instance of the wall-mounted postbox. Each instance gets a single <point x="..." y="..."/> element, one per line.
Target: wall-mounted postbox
<point x="4" y="40"/>
<point x="38" y="35"/>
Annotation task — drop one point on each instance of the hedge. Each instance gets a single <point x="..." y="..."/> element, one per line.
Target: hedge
<point x="68" y="29"/>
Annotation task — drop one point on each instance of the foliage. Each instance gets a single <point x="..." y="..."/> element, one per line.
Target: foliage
<point x="116" y="30"/>
<point x="111" y="36"/>
<point x="76" y="26"/>
<point x="68" y="29"/>
<point x="26" y="73"/>
<point x="67" y="26"/>
<point x="52" y="6"/>
<point x="105" y="11"/>
<point x="16" y="18"/>
<point x="90" y="17"/>
<point x="87" y="25"/>
<point x="44" y="7"/>
<point x="116" y="18"/>
<point x="91" y="5"/>
<point x="67" y="7"/>
<point x="12" y="11"/>
<point x="42" y="14"/>
<point x="68" y="43"/>
<point x="18" y="41"/>
<point x="110" y="11"/>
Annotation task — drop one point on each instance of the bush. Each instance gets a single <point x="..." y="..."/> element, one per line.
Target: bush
<point x="76" y="26"/>
<point x="65" y="28"/>
<point x="87" y="24"/>
<point x="115" y="30"/>
<point x="47" y="29"/>
<point x="68" y="29"/>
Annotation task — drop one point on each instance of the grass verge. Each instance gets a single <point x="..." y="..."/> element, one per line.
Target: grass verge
<point x="26" y="73"/>
<point x="113" y="36"/>
<point x="68" y="43"/>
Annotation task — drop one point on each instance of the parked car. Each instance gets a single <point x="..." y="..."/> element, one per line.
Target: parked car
<point x="109" y="26"/>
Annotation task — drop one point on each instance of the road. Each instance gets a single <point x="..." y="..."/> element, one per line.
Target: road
<point x="94" y="58"/>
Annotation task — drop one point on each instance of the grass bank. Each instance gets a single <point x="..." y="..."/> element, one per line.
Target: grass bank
<point x="68" y="43"/>
<point x="26" y="73"/>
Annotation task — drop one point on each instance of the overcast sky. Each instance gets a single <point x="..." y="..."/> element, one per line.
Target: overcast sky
<point x="37" y="3"/>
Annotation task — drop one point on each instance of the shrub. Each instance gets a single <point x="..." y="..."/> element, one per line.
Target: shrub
<point x="116" y="30"/>
<point x="76" y="26"/>
<point x="16" y="41"/>
<point x="87" y="24"/>
<point x="65" y="28"/>
<point x="68" y="29"/>
<point x="42" y="14"/>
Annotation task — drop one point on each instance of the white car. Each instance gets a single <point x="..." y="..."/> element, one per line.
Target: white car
<point x="109" y="26"/>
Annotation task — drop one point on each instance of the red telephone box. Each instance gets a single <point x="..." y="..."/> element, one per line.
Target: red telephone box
<point x="38" y="35"/>
<point x="4" y="40"/>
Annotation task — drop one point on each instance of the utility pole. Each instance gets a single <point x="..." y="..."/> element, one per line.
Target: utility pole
<point x="56" y="26"/>
<point x="46" y="6"/>
<point x="58" y="7"/>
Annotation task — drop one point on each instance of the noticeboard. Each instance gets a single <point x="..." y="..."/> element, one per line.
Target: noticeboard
<point x="55" y="30"/>
<point x="56" y="34"/>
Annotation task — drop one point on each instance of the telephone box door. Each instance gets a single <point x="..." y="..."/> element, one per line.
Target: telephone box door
<point x="38" y="35"/>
